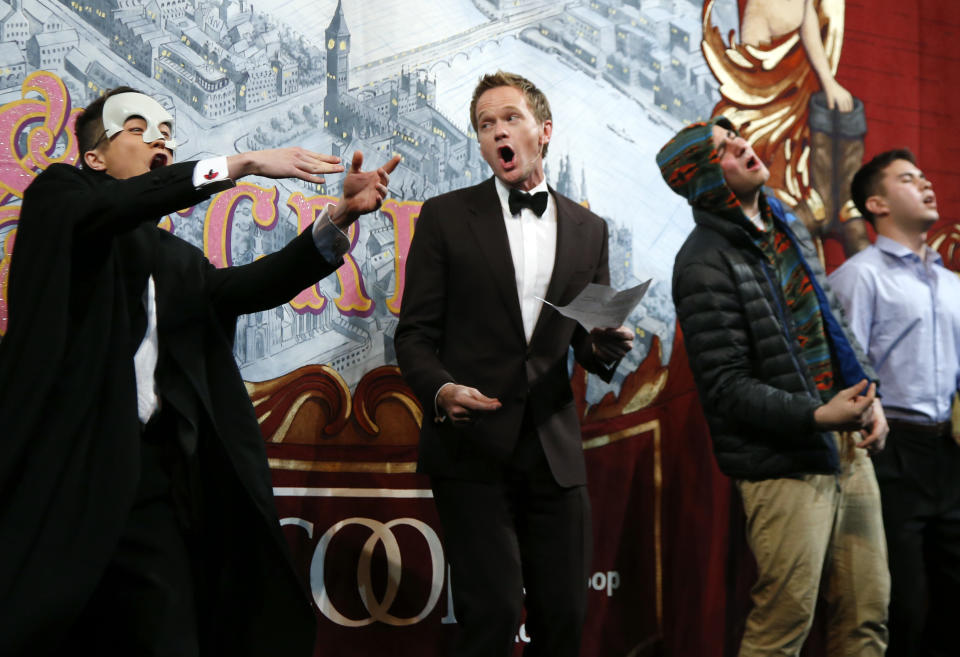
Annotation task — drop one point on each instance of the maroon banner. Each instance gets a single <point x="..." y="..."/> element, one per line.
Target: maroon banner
<point x="364" y="532"/>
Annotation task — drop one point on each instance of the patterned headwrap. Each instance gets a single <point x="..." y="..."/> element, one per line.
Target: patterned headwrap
<point x="690" y="165"/>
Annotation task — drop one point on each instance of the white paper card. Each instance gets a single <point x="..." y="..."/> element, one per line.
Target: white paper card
<point x="600" y="306"/>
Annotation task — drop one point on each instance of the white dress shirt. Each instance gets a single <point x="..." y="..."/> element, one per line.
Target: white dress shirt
<point x="533" y="246"/>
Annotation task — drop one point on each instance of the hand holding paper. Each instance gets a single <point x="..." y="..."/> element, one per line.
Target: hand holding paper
<point x="612" y="344"/>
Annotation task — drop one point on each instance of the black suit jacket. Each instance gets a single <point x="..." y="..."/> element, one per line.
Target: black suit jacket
<point x="70" y="463"/>
<point x="460" y="322"/>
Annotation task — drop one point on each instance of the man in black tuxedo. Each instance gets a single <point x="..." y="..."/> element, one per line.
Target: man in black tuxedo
<point x="136" y="510"/>
<point x="488" y="362"/>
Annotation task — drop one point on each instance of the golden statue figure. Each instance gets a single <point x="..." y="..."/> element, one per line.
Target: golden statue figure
<point x="778" y="84"/>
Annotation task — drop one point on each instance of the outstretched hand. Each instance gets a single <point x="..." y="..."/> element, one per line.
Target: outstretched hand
<point x="463" y="405"/>
<point x="292" y="162"/>
<point x="363" y="191"/>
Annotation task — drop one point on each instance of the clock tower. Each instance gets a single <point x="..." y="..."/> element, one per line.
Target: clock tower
<point x="337" y="44"/>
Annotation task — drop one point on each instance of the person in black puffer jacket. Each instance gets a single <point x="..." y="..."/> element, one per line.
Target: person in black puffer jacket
<point x="789" y="396"/>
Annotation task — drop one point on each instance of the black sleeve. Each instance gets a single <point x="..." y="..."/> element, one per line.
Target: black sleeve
<point x="268" y="281"/>
<point x="423" y="311"/>
<point x="98" y="204"/>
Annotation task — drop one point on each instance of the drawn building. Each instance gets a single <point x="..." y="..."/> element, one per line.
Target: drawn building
<point x="649" y="49"/>
<point x="47" y="50"/>
<point x="14" y="25"/>
<point x="13" y="65"/>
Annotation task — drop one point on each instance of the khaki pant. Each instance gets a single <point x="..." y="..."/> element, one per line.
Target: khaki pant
<point x="818" y="534"/>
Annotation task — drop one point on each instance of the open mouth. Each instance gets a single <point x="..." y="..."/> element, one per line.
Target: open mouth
<point x="158" y="160"/>
<point x="507" y="156"/>
<point x="930" y="201"/>
<point x="753" y="163"/>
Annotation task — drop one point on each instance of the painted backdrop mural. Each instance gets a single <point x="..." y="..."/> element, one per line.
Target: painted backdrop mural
<point x="395" y="76"/>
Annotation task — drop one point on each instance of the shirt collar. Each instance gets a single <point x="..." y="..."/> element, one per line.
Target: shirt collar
<point x="898" y="250"/>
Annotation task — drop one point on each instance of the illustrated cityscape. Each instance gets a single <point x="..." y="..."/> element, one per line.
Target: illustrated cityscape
<point x="238" y="78"/>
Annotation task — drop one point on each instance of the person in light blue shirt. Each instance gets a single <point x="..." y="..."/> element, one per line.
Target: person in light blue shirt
<point x="904" y="308"/>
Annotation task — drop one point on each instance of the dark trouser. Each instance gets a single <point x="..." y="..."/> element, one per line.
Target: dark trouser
<point x="501" y="536"/>
<point x="919" y="476"/>
<point x="145" y="604"/>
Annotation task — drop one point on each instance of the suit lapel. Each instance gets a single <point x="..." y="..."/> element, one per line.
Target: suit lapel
<point x="486" y="222"/>
<point x="564" y="262"/>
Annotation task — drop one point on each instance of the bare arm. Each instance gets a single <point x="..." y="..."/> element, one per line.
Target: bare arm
<point x="837" y="96"/>
<point x="294" y="162"/>
<point x="363" y="191"/>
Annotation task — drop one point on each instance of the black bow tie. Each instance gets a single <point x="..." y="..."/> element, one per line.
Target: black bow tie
<point x="518" y="200"/>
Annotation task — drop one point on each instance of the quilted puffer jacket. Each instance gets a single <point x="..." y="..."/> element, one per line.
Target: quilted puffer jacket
<point x="741" y="339"/>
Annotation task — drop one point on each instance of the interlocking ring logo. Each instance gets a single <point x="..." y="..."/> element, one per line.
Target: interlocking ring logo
<point x="379" y="610"/>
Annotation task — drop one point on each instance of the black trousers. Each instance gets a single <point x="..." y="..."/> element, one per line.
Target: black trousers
<point x="519" y="531"/>
<point x="919" y="477"/>
<point x="145" y="603"/>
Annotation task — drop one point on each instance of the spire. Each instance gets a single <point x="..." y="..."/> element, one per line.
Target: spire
<point x="338" y="24"/>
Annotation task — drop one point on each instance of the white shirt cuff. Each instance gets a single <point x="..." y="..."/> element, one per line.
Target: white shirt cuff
<point x="209" y="171"/>
<point x="331" y="242"/>
<point x="438" y="416"/>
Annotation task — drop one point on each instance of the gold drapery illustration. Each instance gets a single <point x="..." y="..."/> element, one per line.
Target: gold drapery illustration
<point x="766" y="90"/>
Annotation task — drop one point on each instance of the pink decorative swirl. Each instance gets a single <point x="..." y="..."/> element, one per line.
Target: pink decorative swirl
<point x="37" y="132"/>
<point x="218" y="224"/>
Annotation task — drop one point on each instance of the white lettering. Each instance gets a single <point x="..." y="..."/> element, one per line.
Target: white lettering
<point x="306" y="525"/>
<point x="379" y="610"/>
<point x="450" y="618"/>
<point x="609" y="581"/>
<point x="613" y="582"/>
<point x="599" y="581"/>
<point x="522" y="636"/>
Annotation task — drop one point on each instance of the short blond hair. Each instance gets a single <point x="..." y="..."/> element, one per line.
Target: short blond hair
<point x="535" y="98"/>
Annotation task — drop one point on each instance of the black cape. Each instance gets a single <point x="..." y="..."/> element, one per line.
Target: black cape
<point x="69" y="431"/>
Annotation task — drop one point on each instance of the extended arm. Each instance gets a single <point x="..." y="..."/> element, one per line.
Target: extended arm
<point x="98" y="205"/>
<point x="109" y="205"/>
<point x="278" y="277"/>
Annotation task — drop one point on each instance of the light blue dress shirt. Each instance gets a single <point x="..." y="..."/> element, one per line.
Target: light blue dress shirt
<point x="906" y="313"/>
